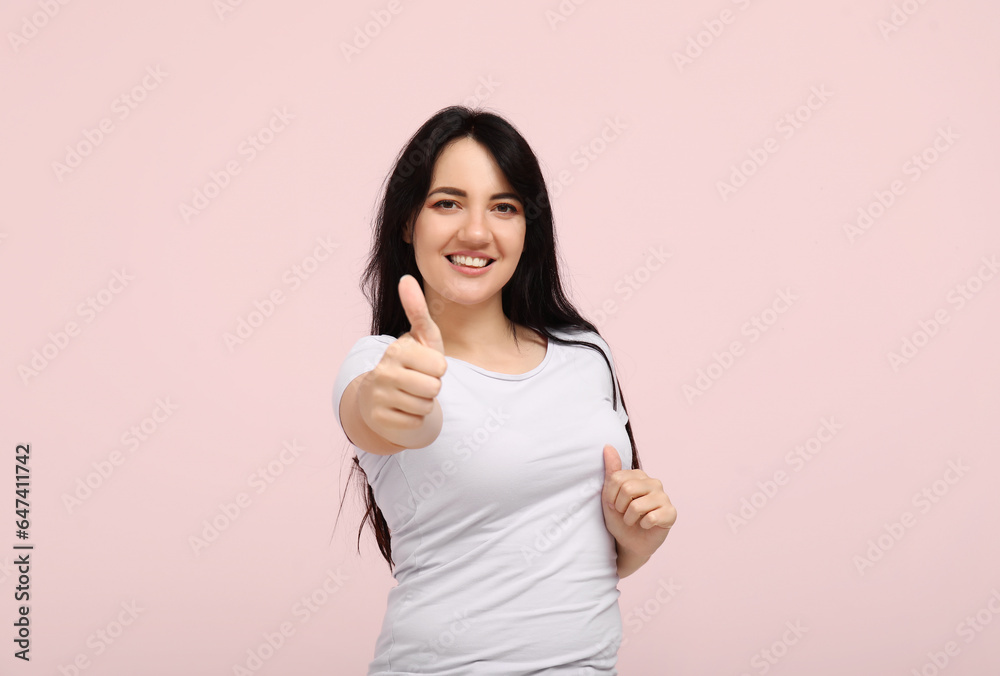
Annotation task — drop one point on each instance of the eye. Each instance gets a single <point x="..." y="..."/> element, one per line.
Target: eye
<point x="513" y="209"/>
<point x="439" y="203"/>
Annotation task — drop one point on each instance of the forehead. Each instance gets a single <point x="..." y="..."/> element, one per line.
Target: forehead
<point x="466" y="164"/>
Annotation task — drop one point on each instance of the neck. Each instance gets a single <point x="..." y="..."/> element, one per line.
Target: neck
<point x="471" y="329"/>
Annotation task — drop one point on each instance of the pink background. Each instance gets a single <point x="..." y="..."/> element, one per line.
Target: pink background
<point x="890" y="91"/>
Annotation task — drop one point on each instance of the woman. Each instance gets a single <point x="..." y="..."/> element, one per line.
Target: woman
<point x="478" y="429"/>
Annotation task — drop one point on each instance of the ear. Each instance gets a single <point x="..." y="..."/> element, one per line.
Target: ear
<point x="408" y="230"/>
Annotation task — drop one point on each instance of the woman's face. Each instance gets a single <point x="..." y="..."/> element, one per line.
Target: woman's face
<point x="470" y="208"/>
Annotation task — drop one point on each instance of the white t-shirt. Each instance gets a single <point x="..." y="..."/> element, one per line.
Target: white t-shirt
<point x="502" y="559"/>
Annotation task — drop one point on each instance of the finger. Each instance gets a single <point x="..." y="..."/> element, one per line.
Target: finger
<point x="393" y="418"/>
<point x="612" y="461"/>
<point x="420" y="380"/>
<point x="632" y="489"/>
<point x="404" y="402"/>
<point x="662" y="517"/>
<point x="422" y="327"/>
<point x="612" y="464"/>
<point x="425" y="360"/>
<point x="640" y="507"/>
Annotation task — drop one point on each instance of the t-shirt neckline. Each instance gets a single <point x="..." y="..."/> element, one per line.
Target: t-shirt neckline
<point x="510" y="376"/>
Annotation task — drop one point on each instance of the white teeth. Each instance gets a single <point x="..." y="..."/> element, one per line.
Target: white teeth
<point x="471" y="262"/>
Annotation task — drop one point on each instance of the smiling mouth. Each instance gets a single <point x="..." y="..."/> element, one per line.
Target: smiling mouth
<point x="471" y="262"/>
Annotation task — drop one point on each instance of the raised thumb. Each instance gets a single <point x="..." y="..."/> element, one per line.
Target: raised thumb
<point x="612" y="461"/>
<point x="422" y="327"/>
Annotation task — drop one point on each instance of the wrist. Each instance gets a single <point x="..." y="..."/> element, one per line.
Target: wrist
<point x="629" y="561"/>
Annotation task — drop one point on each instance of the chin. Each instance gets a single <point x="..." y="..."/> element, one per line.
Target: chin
<point x="470" y="298"/>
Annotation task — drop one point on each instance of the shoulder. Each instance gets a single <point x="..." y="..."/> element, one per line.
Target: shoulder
<point x="366" y="352"/>
<point x="383" y="338"/>
<point x="588" y="355"/>
<point x="369" y="342"/>
<point x="581" y="335"/>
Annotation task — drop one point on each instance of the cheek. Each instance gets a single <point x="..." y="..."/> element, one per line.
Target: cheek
<point x="428" y="235"/>
<point x="514" y="246"/>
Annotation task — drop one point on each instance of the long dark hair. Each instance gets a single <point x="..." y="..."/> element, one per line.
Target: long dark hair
<point x="533" y="296"/>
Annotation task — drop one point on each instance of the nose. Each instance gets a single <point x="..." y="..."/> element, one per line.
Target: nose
<point x="474" y="228"/>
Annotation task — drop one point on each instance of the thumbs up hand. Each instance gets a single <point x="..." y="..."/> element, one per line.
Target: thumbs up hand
<point x="636" y="510"/>
<point x="401" y="391"/>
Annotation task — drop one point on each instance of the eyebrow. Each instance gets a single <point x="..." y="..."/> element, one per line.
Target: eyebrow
<point x="461" y="193"/>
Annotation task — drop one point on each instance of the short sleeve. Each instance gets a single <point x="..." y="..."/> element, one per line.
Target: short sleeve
<point x="363" y="357"/>
<point x="615" y="391"/>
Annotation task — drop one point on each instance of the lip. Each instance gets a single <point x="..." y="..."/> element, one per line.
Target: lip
<point x="469" y="272"/>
